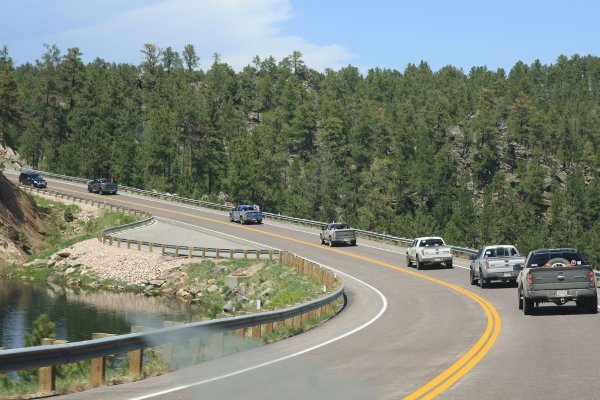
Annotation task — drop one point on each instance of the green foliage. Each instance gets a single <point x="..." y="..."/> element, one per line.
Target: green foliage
<point x="390" y="151"/>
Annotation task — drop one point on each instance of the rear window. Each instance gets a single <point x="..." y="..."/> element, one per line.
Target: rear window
<point x="556" y="260"/>
<point x="431" y="242"/>
<point x="339" y="226"/>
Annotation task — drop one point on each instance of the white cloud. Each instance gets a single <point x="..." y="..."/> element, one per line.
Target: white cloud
<point x="237" y="30"/>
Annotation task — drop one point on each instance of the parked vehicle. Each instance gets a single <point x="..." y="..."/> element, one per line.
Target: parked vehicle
<point x="32" y="179"/>
<point x="102" y="186"/>
<point x="428" y="251"/>
<point x="558" y="276"/>
<point x="245" y="214"/>
<point x="495" y="263"/>
<point x="338" y="233"/>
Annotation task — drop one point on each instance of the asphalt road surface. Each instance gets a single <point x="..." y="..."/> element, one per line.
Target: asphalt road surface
<point x="403" y="333"/>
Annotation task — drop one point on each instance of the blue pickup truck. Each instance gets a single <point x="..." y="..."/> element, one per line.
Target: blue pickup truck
<point x="246" y="214"/>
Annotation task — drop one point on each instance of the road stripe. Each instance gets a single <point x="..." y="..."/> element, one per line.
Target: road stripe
<point x="449" y="376"/>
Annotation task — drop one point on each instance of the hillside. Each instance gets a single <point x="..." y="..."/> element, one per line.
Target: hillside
<point x="21" y="224"/>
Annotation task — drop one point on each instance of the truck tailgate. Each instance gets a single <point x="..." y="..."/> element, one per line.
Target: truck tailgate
<point x="560" y="278"/>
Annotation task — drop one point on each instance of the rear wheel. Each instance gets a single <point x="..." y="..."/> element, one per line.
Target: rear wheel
<point x="408" y="262"/>
<point x="353" y="243"/>
<point x="449" y="264"/>
<point x="520" y="300"/>
<point x="472" y="276"/>
<point x="592" y="305"/>
<point x="330" y="242"/>
<point x="483" y="283"/>
<point x="527" y="306"/>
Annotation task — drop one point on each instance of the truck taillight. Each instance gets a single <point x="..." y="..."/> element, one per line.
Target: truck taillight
<point x="592" y="278"/>
<point x="530" y="278"/>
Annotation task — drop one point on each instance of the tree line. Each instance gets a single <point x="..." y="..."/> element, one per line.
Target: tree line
<point x="478" y="157"/>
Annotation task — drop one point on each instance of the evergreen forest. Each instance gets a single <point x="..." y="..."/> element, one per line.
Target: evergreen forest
<point x="478" y="157"/>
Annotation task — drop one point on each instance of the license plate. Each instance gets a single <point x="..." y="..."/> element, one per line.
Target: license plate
<point x="438" y="259"/>
<point x="508" y="274"/>
<point x="562" y="293"/>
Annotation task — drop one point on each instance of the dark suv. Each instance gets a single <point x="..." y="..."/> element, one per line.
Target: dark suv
<point x="102" y="186"/>
<point x="32" y="179"/>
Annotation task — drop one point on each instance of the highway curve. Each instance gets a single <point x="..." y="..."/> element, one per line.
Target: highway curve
<point x="403" y="334"/>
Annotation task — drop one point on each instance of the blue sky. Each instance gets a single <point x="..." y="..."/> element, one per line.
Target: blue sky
<point x="329" y="34"/>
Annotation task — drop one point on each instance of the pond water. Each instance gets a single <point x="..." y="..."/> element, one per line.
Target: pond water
<point x="78" y="313"/>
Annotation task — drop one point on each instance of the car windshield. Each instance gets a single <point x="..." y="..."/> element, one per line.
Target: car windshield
<point x="103" y="181"/>
<point x="37" y="177"/>
<point x="556" y="259"/>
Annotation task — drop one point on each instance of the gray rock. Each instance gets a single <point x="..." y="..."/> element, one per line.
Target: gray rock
<point x="228" y="307"/>
<point x="267" y="292"/>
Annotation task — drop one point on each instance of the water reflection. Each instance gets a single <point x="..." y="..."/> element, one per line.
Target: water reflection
<point x="78" y="313"/>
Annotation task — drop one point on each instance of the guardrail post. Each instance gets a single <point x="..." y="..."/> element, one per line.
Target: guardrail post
<point x="110" y="240"/>
<point x="98" y="364"/>
<point x="166" y="350"/>
<point x="217" y="254"/>
<point x="176" y="251"/>
<point x="118" y="242"/>
<point x="190" y="249"/>
<point x="47" y="375"/>
<point x="271" y="255"/>
<point x="128" y="244"/>
<point x="245" y="254"/>
<point x="139" y="245"/>
<point x="203" y="253"/>
<point x="150" y="246"/>
<point x="136" y="357"/>
<point x="231" y="254"/>
<point x="162" y="249"/>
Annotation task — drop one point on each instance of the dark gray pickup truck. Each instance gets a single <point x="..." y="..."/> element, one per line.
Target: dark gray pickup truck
<point x="557" y="276"/>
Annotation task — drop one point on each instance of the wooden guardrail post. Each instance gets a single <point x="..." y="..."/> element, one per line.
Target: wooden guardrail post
<point x="166" y="350"/>
<point x="176" y="251"/>
<point x="98" y="364"/>
<point x="162" y="249"/>
<point x="136" y="357"/>
<point x="47" y="375"/>
<point x="245" y="254"/>
<point x="190" y="250"/>
<point x="150" y="246"/>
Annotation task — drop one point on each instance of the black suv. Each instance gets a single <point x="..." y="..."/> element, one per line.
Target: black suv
<point x="32" y="179"/>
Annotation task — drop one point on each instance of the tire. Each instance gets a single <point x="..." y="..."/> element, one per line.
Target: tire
<point x="520" y="300"/>
<point x="242" y="222"/>
<point x="418" y="264"/>
<point x="449" y="264"/>
<point x="89" y="189"/>
<point x="322" y="240"/>
<point x="408" y="263"/>
<point x="353" y="243"/>
<point x="527" y="306"/>
<point x="330" y="242"/>
<point x="472" y="277"/>
<point x="592" y="305"/>
<point x="483" y="283"/>
<point x="230" y="218"/>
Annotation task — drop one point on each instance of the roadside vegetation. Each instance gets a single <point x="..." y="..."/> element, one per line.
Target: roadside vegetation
<point x="262" y="283"/>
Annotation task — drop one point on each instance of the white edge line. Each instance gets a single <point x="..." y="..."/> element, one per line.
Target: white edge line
<point x="241" y="371"/>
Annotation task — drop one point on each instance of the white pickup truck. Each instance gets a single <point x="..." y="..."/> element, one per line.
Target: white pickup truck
<point x="338" y="232"/>
<point x="428" y="250"/>
<point x="495" y="263"/>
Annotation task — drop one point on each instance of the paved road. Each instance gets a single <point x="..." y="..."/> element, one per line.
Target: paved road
<point x="400" y="331"/>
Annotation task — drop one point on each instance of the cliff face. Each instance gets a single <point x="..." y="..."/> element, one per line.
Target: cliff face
<point x="21" y="224"/>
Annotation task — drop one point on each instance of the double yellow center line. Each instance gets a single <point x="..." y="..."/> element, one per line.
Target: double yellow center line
<point x="449" y="376"/>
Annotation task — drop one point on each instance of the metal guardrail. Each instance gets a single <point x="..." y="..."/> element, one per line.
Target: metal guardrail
<point x="39" y="356"/>
<point x="399" y="241"/>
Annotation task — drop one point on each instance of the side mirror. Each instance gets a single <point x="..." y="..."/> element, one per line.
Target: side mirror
<point x="518" y="267"/>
